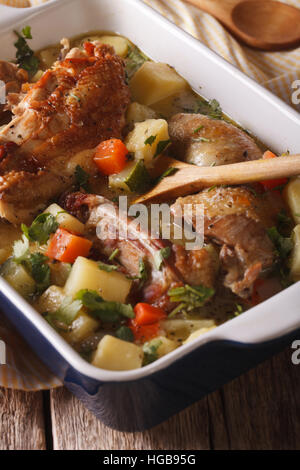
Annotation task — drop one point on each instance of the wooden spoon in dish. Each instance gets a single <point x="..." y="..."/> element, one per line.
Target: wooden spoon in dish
<point x="189" y="179"/>
<point x="263" y="24"/>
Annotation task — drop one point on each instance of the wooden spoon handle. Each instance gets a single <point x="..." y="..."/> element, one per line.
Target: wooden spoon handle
<point x="190" y="179"/>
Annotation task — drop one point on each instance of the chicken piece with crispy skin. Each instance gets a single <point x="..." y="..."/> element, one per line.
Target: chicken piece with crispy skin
<point x="181" y="267"/>
<point x="236" y="219"/>
<point x="204" y="141"/>
<point x="78" y="103"/>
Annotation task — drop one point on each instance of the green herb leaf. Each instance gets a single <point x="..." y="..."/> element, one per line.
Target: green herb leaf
<point x="82" y="178"/>
<point x="41" y="229"/>
<point x="283" y="245"/>
<point x="198" y="129"/>
<point x="161" y="147"/>
<point x="108" y="312"/>
<point x="139" y="180"/>
<point x="169" y="172"/>
<point x="124" y="333"/>
<point x="151" y="351"/>
<point x="160" y="256"/>
<point x="143" y="274"/>
<point x="40" y="271"/>
<point x="25" y="55"/>
<point x="150" y="140"/>
<point x="109" y="268"/>
<point x="209" y="108"/>
<point x="68" y="311"/>
<point x="189" y="298"/>
<point x="201" y="139"/>
<point x="114" y="254"/>
<point x="134" y="60"/>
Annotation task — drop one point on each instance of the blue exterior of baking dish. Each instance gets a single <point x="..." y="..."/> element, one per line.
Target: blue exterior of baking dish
<point x="137" y="405"/>
<point x="138" y="400"/>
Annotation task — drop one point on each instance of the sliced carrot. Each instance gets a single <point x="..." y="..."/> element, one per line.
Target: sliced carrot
<point x="268" y="155"/>
<point x="270" y="185"/>
<point x="143" y="333"/>
<point x="146" y="314"/>
<point x="66" y="247"/>
<point x="89" y="48"/>
<point x="111" y="156"/>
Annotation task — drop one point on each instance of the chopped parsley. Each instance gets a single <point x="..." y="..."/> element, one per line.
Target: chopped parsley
<point x="239" y="310"/>
<point x="82" y="178"/>
<point x="209" y="108"/>
<point x="189" y="298"/>
<point x="150" y="140"/>
<point x="41" y="229"/>
<point x="109" y="268"/>
<point x="169" y="172"/>
<point x="114" y="254"/>
<point x="201" y="139"/>
<point x="282" y="244"/>
<point x="160" y="256"/>
<point x="151" y="351"/>
<point x="107" y="312"/>
<point x="161" y="147"/>
<point x="124" y="333"/>
<point x="143" y="273"/>
<point x="25" y="55"/>
<point x="36" y="264"/>
<point x="198" y="129"/>
<point x="66" y="314"/>
<point x="134" y="60"/>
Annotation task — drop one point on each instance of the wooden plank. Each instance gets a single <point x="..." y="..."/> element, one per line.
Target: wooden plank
<point x="75" y="428"/>
<point x="260" y="410"/>
<point x="21" y="421"/>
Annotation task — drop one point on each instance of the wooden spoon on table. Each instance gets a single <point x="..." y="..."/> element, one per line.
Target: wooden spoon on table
<point x="189" y="179"/>
<point x="263" y="24"/>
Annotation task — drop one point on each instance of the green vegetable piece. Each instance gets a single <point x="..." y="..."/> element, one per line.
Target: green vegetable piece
<point x="25" y="55"/>
<point x="82" y="178"/>
<point x="41" y="229"/>
<point x="150" y="140"/>
<point x="139" y="179"/>
<point x="161" y="256"/>
<point x="151" y="351"/>
<point x="124" y="333"/>
<point x="189" y="298"/>
<point x="161" y="147"/>
<point x="109" y="268"/>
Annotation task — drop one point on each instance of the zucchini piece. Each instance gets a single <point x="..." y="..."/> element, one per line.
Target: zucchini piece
<point x="17" y="276"/>
<point x="292" y="197"/>
<point x="180" y="329"/>
<point x="135" y="178"/>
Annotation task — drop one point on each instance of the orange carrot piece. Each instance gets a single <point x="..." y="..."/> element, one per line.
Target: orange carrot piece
<point x="144" y="333"/>
<point x="111" y="157"/>
<point x="146" y="314"/>
<point x="66" y="247"/>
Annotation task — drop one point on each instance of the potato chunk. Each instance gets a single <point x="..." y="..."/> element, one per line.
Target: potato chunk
<point x="115" y="354"/>
<point x="86" y="274"/>
<point x="198" y="333"/>
<point x="295" y="258"/>
<point x="146" y="139"/>
<point x="65" y="220"/>
<point x="292" y="197"/>
<point x="138" y="113"/>
<point x="166" y="346"/>
<point x="154" y="82"/>
<point x="119" y="44"/>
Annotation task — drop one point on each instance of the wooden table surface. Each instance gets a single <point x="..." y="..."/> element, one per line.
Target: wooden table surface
<point x="260" y="410"/>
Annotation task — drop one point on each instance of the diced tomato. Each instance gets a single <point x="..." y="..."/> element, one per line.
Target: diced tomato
<point x="111" y="157"/>
<point x="144" y="333"/>
<point x="146" y="314"/>
<point x="66" y="247"/>
<point x="270" y="185"/>
<point x="89" y="48"/>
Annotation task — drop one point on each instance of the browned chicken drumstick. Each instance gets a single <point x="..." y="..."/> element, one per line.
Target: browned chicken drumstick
<point x="78" y="103"/>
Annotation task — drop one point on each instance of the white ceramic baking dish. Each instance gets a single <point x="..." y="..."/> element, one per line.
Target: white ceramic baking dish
<point x="252" y="336"/>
